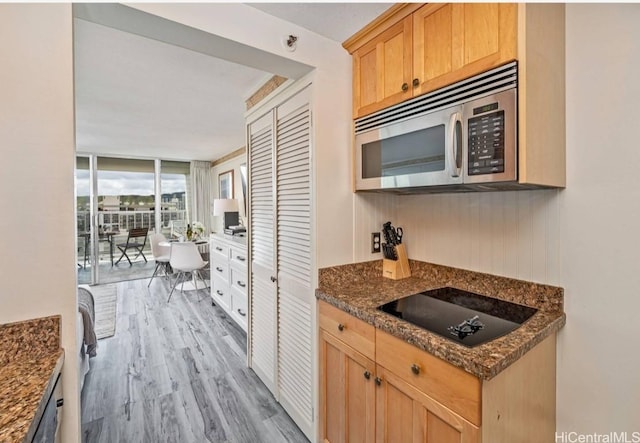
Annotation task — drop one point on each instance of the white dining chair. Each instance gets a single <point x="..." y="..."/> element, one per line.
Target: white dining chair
<point x="161" y="255"/>
<point x="185" y="258"/>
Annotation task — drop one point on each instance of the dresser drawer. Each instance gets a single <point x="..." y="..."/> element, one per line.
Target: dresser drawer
<point x="355" y="333"/>
<point x="239" y="307"/>
<point x="221" y="293"/>
<point x="239" y="257"/>
<point x="220" y="270"/>
<point x="238" y="279"/>
<point x="219" y="251"/>
<point x="453" y="387"/>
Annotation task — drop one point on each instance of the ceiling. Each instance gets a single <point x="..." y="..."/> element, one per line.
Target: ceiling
<point x="141" y="97"/>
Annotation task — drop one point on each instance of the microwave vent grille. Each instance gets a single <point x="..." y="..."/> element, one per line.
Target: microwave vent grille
<point x="489" y="82"/>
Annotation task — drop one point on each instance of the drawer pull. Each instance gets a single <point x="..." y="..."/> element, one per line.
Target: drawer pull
<point x="367" y="375"/>
<point x="378" y="381"/>
<point x="241" y="312"/>
<point x="219" y="292"/>
<point x="218" y="248"/>
<point x="219" y="269"/>
<point x="240" y="258"/>
<point x="340" y="327"/>
<point x="415" y="369"/>
<point x="241" y="284"/>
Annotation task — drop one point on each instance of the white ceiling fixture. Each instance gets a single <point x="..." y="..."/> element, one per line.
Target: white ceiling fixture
<point x="336" y="21"/>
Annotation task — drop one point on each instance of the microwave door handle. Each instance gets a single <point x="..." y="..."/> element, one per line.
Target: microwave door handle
<point x="454" y="148"/>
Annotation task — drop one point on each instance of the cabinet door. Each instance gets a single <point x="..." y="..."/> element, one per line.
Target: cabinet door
<point x="263" y="314"/>
<point x="347" y="393"/>
<point x="404" y="414"/>
<point x="382" y="70"/>
<point x="457" y="40"/>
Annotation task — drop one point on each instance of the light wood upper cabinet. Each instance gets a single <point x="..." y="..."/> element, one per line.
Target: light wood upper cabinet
<point x="382" y="69"/>
<point x="434" y="45"/>
<point x="454" y="41"/>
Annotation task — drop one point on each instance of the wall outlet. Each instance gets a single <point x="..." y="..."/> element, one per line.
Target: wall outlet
<point x="375" y="242"/>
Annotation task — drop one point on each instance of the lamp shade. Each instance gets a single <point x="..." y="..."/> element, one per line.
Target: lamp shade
<point x="222" y="205"/>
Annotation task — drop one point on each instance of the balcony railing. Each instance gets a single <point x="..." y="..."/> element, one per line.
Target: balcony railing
<point x="121" y="222"/>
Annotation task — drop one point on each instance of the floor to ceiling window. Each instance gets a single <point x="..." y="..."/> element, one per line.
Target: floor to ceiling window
<point x="125" y="201"/>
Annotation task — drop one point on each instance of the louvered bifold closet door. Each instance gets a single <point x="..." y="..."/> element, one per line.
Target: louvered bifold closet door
<point x="263" y="288"/>
<point x="295" y="295"/>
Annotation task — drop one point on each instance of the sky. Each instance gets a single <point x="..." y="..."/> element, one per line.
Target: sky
<point x="126" y="183"/>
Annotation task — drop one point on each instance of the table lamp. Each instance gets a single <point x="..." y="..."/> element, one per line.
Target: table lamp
<point x="228" y="208"/>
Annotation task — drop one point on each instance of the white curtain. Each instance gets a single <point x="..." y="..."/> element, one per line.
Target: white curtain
<point x="201" y="194"/>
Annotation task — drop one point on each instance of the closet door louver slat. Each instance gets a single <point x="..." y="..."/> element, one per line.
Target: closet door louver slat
<point x="295" y="295"/>
<point x="263" y="293"/>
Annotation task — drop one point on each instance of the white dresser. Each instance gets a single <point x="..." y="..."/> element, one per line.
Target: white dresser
<point x="228" y="259"/>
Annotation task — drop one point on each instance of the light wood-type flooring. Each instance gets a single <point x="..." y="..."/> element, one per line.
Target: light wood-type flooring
<point x="176" y="372"/>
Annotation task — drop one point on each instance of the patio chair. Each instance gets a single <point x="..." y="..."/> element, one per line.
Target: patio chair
<point x="136" y="240"/>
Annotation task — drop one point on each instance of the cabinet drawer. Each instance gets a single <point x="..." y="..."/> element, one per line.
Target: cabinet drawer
<point x="220" y="292"/>
<point x="239" y="308"/>
<point x="239" y="257"/>
<point x="238" y="279"/>
<point x="453" y="387"/>
<point x="220" y="269"/>
<point x="219" y="251"/>
<point x="355" y="333"/>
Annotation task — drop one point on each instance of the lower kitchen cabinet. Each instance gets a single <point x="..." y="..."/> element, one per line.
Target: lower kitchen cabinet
<point x="375" y="387"/>
<point x="405" y="414"/>
<point x="348" y="392"/>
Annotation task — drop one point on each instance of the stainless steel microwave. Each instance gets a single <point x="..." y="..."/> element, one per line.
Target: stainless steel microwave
<point x="452" y="138"/>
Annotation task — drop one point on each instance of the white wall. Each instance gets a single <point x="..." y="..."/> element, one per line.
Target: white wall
<point x="583" y="238"/>
<point x="600" y="209"/>
<point x="230" y="165"/>
<point x="37" y="263"/>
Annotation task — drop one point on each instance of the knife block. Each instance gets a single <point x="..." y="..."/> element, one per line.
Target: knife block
<point x="397" y="269"/>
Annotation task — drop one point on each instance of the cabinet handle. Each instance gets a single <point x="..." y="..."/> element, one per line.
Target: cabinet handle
<point x="415" y="369"/>
<point x="218" y="248"/>
<point x="340" y="327"/>
<point x="273" y="279"/>
<point x="242" y="285"/>
<point x="378" y="381"/>
<point x="218" y="269"/>
<point x="244" y="314"/>
<point x="416" y="82"/>
<point x="405" y="87"/>
<point x="367" y="375"/>
<point x="219" y="292"/>
<point x="240" y="258"/>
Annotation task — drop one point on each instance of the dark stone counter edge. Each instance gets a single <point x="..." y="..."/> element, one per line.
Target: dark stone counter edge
<point x="57" y="369"/>
<point x="472" y="360"/>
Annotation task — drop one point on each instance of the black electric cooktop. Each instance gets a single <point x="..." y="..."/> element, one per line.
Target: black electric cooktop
<point x="464" y="317"/>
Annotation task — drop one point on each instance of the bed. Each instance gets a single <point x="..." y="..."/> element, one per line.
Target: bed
<point x="85" y="333"/>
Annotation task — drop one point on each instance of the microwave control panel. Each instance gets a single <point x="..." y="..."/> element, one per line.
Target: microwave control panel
<point x="486" y="140"/>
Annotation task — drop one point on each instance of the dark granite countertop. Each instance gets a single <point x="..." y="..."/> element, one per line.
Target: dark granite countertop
<point x="30" y="361"/>
<point x="359" y="288"/>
